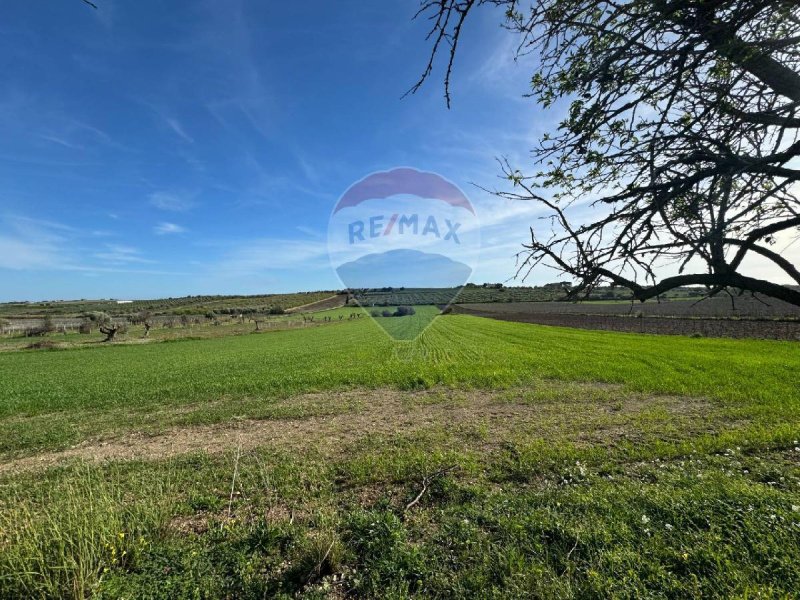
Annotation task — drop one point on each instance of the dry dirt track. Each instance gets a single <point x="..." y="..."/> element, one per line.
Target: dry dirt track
<point x="334" y="301"/>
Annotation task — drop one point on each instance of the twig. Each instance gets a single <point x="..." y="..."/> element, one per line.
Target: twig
<point x="573" y="549"/>
<point x="566" y="559"/>
<point x="426" y="481"/>
<point x="233" y="482"/>
<point x="92" y="4"/>
<point x="318" y="568"/>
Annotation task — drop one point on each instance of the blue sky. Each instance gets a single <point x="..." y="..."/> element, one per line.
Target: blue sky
<point x="168" y="148"/>
<point x="152" y="149"/>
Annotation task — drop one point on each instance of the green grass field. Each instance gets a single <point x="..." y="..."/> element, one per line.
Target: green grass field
<point x="482" y="459"/>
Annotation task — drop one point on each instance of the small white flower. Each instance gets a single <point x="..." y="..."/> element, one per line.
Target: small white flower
<point x="645" y="519"/>
<point x="795" y="508"/>
<point x="669" y="527"/>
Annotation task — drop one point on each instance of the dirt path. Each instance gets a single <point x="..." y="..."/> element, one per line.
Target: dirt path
<point x="586" y="417"/>
<point x="334" y="301"/>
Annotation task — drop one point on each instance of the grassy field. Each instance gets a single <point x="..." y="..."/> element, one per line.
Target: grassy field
<point x="482" y="459"/>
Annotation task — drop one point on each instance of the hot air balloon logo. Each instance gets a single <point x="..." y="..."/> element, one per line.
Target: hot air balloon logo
<point x="404" y="229"/>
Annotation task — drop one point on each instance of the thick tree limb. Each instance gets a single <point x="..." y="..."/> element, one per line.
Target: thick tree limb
<point x="682" y="129"/>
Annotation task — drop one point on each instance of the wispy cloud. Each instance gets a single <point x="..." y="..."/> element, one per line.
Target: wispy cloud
<point x="170" y="201"/>
<point x="60" y="141"/>
<point x="309" y="231"/>
<point x="245" y="94"/>
<point x="263" y="255"/>
<point x="176" y="126"/>
<point x="165" y="228"/>
<point x="40" y="244"/>
<point x="119" y="254"/>
<point x="20" y="254"/>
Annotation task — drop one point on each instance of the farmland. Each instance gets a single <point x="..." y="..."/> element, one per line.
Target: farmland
<point x="684" y="311"/>
<point x="189" y="305"/>
<point x="746" y="317"/>
<point x="482" y="458"/>
<point x="494" y="293"/>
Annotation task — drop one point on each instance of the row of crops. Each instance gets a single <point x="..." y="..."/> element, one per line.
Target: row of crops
<point x="419" y="296"/>
<point x="188" y="305"/>
<point x="481" y="294"/>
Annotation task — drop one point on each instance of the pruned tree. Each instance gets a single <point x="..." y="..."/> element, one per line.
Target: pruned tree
<point x="141" y="317"/>
<point x="98" y="317"/>
<point x="681" y="133"/>
<point x="110" y="331"/>
<point x="47" y="326"/>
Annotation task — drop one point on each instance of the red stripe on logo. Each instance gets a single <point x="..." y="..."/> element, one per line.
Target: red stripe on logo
<point x="390" y="225"/>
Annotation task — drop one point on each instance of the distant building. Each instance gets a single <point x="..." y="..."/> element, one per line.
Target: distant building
<point x="124" y="301"/>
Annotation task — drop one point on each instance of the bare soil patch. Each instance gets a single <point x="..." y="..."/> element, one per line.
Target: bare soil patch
<point x="580" y="413"/>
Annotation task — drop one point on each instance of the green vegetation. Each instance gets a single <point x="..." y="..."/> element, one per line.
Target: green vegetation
<point x="472" y="293"/>
<point x="482" y="459"/>
<point x="189" y="305"/>
<point x="206" y="306"/>
<point x="404" y="326"/>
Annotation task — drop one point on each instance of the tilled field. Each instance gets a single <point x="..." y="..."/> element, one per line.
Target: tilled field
<point x="716" y="317"/>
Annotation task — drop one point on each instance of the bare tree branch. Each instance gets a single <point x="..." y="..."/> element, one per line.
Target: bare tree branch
<point x="682" y="132"/>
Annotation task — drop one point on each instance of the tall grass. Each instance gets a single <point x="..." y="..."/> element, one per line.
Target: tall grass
<point x="62" y="540"/>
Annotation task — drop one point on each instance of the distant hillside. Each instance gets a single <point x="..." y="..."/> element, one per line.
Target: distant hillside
<point x="471" y="293"/>
<point x="404" y="268"/>
<point x="189" y="305"/>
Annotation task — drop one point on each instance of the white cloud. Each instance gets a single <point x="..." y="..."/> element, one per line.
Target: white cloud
<point x="20" y="254"/>
<point x="38" y="244"/>
<point x="118" y="254"/>
<point x="263" y="255"/>
<point x="170" y="201"/>
<point x="165" y="228"/>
